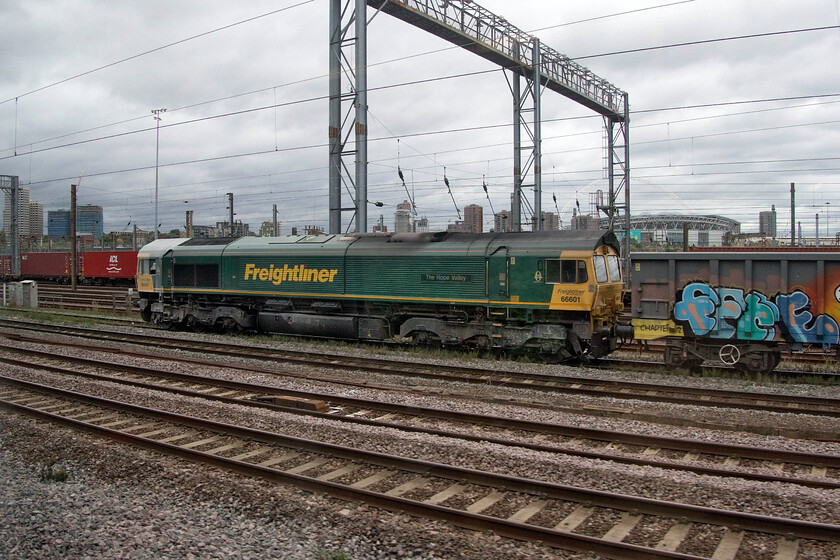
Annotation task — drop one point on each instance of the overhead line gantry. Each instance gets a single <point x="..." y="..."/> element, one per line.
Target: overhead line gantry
<point x="468" y="25"/>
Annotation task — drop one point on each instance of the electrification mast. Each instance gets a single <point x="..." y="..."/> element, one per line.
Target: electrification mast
<point x="468" y="25"/>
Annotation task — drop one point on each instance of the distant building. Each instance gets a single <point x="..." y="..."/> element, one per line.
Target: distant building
<point x="703" y="230"/>
<point x="501" y="221"/>
<point x="581" y="221"/>
<point x="380" y="227"/>
<point x="550" y="221"/>
<point x="22" y="211"/>
<point x="421" y="225"/>
<point x="36" y="219"/>
<point x="459" y="226"/>
<point x="89" y="222"/>
<point x="204" y="232"/>
<point x="224" y="229"/>
<point x="58" y="223"/>
<point x="402" y="217"/>
<point x="474" y="218"/>
<point x="767" y="222"/>
<point x="267" y="229"/>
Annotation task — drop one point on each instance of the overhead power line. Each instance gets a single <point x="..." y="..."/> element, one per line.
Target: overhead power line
<point x="708" y="41"/>
<point x="157" y="49"/>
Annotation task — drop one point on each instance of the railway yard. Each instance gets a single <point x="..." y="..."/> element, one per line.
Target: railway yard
<point x="180" y="444"/>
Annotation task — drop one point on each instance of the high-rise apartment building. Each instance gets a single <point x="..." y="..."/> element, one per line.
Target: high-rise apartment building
<point x="474" y="218"/>
<point x="550" y="221"/>
<point x="22" y="211"/>
<point x="402" y="217"/>
<point x="767" y="222"/>
<point x="36" y="220"/>
<point x="586" y="221"/>
<point x="501" y="221"/>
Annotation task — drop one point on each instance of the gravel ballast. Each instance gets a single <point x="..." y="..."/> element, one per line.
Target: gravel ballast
<point x="122" y="502"/>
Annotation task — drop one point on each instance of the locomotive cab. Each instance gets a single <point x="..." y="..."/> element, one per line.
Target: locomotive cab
<point x="150" y="272"/>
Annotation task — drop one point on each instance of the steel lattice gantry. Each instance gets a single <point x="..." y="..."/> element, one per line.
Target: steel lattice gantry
<point x="474" y="28"/>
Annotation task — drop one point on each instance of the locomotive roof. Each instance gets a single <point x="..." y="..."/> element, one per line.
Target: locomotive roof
<point x="583" y="240"/>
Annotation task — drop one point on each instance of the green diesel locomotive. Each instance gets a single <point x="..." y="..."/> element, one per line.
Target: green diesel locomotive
<point x="557" y="294"/>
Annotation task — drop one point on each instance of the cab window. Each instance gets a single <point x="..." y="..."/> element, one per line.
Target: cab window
<point x="600" y="269"/>
<point x="615" y="269"/>
<point x="566" y="271"/>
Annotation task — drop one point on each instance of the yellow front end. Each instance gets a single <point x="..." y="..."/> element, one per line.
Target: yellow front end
<point x="594" y="286"/>
<point x="145" y="283"/>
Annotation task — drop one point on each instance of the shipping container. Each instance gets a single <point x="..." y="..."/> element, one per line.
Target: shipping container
<point x="109" y="265"/>
<point x="5" y="266"/>
<point x="53" y="266"/>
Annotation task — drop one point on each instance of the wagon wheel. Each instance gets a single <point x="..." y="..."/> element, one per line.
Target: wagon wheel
<point x="729" y="354"/>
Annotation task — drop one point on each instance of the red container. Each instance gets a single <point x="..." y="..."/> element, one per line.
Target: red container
<point x="5" y="265"/>
<point x="45" y="265"/>
<point x="111" y="265"/>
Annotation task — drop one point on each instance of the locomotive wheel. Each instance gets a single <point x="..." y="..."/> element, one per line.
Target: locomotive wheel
<point x="553" y="358"/>
<point x="729" y="354"/>
<point x="424" y="338"/>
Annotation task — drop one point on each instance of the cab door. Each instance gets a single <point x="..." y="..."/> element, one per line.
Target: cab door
<point x="165" y="267"/>
<point x="498" y="274"/>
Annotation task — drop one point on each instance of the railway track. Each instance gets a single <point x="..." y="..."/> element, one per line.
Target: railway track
<point x="118" y="300"/>
<point x="691" y="455"/>
<point x="567" y="385"/>
<point x="831" y="375"/>
<point x="579" y="519"/>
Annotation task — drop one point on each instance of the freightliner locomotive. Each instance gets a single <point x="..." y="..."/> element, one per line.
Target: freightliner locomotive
<point x="554" y="294"/>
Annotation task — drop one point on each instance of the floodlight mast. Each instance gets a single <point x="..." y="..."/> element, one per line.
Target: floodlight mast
<point x="156" y="115"/>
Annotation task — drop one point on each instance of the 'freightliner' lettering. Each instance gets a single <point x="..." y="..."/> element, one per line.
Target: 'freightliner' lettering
<point x="296" y="273"/>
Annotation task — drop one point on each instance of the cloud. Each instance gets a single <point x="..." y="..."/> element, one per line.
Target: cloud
<point x="222" y="134"/>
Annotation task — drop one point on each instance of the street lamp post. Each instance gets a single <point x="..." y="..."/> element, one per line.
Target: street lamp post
<point x="156" y="113"/>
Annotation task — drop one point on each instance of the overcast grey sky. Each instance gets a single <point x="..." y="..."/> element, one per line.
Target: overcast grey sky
<point x="735" y="156"/>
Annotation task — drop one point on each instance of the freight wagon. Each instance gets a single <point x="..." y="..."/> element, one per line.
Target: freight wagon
<point x="736" y="308"/>
<point x="556" y="294"/>
<point x="93" y="267"/>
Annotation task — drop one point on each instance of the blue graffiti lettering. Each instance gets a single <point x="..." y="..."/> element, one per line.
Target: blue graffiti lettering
<point x="727" y="312"/>
<point x="801" y="324"/>
<point x="697" y="307"/>
<point x="760" y="318"/>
